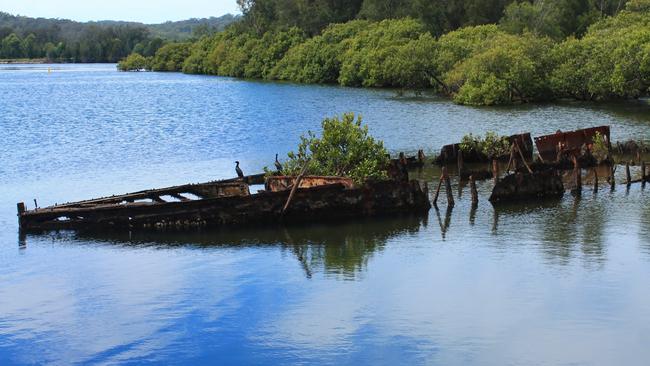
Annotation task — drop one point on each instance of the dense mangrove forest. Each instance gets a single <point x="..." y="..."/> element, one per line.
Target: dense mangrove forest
<point x="476" y="52"/>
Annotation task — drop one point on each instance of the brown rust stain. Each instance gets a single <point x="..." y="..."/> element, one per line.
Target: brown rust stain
<point x="570" y="141"/>
<point x="283" y="183"/>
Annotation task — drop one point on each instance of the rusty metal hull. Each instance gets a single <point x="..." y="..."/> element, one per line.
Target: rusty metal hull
<point x="548" y="146"/>
<point x="525" y="186"/>
<point x="282" y="183"/>
<point x="309" y="204"/>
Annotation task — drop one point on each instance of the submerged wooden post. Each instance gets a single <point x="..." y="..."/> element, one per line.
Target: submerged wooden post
<point x="595" y="180"/>
<point x="495" y="170"/>
<point x="628" y="176"/>
<point x="402" y="159"/>
<point x="612" y="180"/>
<point x="523" y="159"/>
<point x="21" y="208"/>
<point x="421" y="156"/>
<point x="472" y="186"/>
<point x="643" y="175"/>
<point x="512" y="155"/>
<point x="435" y="197"/>
<point x="450" y="194"/>
<point x="577" y="173"/>
<point x="460" y="163"/>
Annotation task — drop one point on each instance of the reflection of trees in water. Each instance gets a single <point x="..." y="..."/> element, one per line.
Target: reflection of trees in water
<point x="343" y="249"/>
<point x="593" y="220"/>
<point x="576" y="223"/>
<point x="342" y="255"/>
<point x="565" y="226"/>
<point x="644" y="230"/>
<point x="559" y="231"/>
<point x="337" y="248"/>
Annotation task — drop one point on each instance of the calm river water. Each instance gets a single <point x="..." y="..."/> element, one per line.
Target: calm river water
<point x="553" y="283"/>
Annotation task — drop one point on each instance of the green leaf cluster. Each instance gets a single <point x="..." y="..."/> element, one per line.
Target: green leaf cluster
<point x="612" y="61"/>
<point x="600" y="147"/>
<point x="134" y="62"/>
<point x="506" y="69"/>
<point x="491" y="145"/>
<point x="344" y="149"/>
<point x="318" y="59"/>
<point x="171" y="57"/>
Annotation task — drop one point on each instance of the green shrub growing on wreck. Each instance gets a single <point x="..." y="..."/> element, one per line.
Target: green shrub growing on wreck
<point x="600" y="147"/>
<point x="492" y="145"/>
<point x="134" y="62"/>
<point x="344" y="149"/>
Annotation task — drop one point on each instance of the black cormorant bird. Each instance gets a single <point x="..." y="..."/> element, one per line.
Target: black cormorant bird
<point x="278" y="166"/>
<point x="240" y="174"/>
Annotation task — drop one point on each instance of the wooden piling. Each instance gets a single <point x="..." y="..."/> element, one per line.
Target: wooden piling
<point x="421" y="156"/>
<point x="35" y="204"/>
<point x="21" y="208"/>
<point x="295" y="187"/>
<point x="628" y="176"/>
<point x="472" y="185"/>
<point x="612" y="179"/>
<point x="595" y="179"/>
<point x="460" y="163"/>
<point x="435" y="197"/>
<point x="644" y="177"/>
<point x="450" y="194"/>
<point x="577" y="174"/>
<point x="512" y="155"/>
<point x="495" y="170"/>
<point x="523" y="159"/>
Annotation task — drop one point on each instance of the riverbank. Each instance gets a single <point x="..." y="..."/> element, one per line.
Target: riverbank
<point x="474" y="65"/>
<point x="26" y="61"/>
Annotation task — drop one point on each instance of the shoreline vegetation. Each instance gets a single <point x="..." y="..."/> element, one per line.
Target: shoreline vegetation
<point x="25" y="61"/>
<point x="533" y="53"/>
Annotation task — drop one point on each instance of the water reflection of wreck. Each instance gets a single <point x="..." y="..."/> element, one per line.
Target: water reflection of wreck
<point x="564" y="227"/>
<point x="340" y="249"/>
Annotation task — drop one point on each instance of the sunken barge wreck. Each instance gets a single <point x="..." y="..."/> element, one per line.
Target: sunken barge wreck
<point x="230" y="202"/>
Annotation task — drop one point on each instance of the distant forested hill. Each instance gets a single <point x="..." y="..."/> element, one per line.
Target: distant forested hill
<point x="104" y="41"/>
<point x="186" y="29"/>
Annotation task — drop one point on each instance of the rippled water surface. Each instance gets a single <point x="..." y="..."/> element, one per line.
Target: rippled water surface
<point x="561" y="282"/>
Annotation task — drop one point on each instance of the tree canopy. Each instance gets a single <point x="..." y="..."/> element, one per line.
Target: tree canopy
<point x="537" y="51"/>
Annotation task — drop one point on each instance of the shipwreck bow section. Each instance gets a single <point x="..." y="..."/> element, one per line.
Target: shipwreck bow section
<point x="230" y="202"/>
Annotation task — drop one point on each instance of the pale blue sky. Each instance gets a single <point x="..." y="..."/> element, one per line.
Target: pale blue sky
<point x="146" y="11"/>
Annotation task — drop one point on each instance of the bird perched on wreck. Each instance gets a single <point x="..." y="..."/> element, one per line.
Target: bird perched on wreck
<point x="240" y="174"/>
<point x="278" y="166"/>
